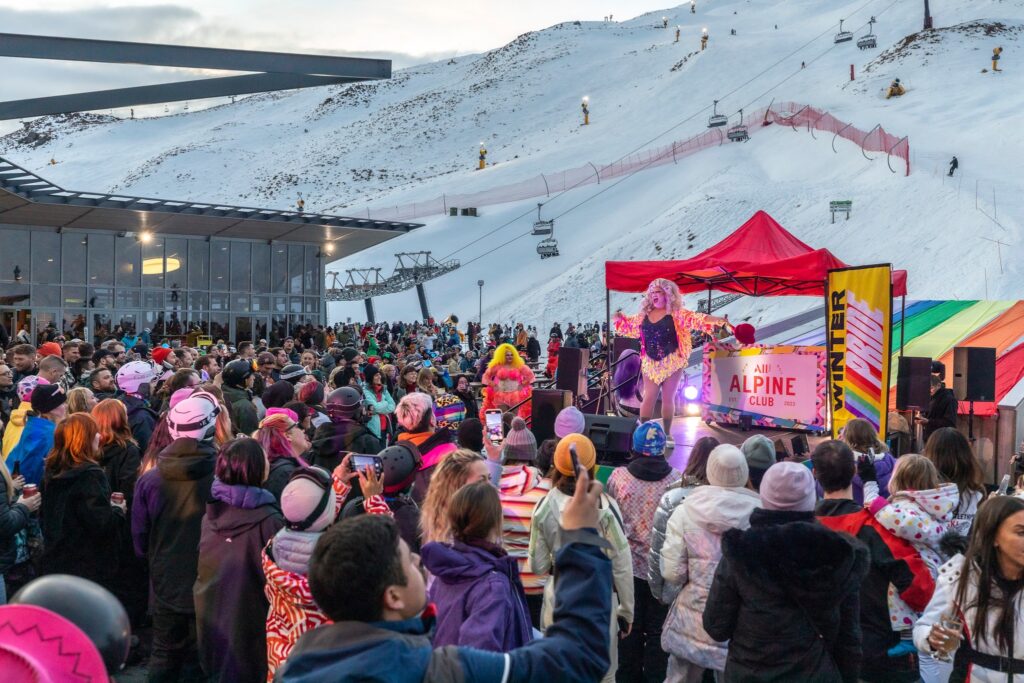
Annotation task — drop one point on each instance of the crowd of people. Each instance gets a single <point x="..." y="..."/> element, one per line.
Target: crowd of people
<point x="320" y="512"/>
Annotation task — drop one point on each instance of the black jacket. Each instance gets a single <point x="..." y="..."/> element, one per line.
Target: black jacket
<point x="242" y="409"/>
<point x="82" y="532"/>
<point x="231" y="607"/>
<point x="13" y="518"/>
<point x="8" y="401"/>
<point x="141" y="419"/>
<point x="121" y="465"/>
<point x="941" y="412"/>
<point x="170" y="501"/>
<point x="331" y="439"/>
<point x="280" y="472"/>
<point x="533" y="348"/>
<point x="786" y="596"/>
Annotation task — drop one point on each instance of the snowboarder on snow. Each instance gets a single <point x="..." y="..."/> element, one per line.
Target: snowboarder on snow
<point x="896" y="89"/>
<point x="704" y="40"/>
<point x="483" y="157"/>
<point x="953" y="165"/>
<point x="664" y="22"/>
<point x="995" y="58"/>
<point x="677" y="34"/>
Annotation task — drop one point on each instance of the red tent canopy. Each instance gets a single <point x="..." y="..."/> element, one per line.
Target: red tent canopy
<point x="761" y="258"/>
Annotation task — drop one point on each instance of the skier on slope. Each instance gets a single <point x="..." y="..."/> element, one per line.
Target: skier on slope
<point x="953" y="165"/>
<point x="896" y="89"/>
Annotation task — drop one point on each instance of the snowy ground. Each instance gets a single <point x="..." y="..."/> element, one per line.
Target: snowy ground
<point x="415" y="137"/>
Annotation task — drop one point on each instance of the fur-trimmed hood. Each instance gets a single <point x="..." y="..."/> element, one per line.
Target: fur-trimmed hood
<point x="789" y="553"/>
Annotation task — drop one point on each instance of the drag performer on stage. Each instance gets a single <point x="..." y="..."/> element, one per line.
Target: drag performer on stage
<point x="508" y="381"/>
<point x="664" y="327"/>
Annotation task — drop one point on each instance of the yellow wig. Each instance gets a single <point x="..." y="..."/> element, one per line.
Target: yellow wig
<point x="499" y="357"/>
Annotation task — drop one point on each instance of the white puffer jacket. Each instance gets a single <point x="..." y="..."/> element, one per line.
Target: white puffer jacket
<point x="942" y="603"/>
<point x="689" y="558"/>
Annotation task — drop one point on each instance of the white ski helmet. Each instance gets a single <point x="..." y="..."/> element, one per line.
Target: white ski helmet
<point x="194" y="417"/>
<point x="133" y="375"/>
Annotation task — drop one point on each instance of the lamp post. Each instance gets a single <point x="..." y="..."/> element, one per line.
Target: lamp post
<point x="480" y="315"/>
<point x="927" y="16"/>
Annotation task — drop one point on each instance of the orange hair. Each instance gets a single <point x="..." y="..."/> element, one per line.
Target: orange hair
<point x="112" y="420"/>
<point x="499" y="357"/>
<point x="74" y="443"/>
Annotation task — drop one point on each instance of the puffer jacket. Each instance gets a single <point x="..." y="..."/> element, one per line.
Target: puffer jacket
<point x="670" y="500"/>
<point x="292" y="549"/>
<point x="12" y="433"/>
<point x="691" y="554"/>
<point x="292" y="610"/>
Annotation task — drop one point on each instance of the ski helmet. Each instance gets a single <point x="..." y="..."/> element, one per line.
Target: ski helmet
<point x="345" y="403"/>
<point x="133" y="375"/>
<point x="28" y="384"/>
<point x="194" y="417"/>
<point x="293" y="373"/>
<point x="236" y="372"/>
<point x="401" y="462"/>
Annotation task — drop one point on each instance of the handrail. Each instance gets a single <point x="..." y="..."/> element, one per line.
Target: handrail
<point x="866" y="139"/>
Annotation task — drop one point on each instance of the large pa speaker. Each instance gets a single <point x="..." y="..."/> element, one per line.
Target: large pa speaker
<point x="612" y="437"/>
<point x="572" y="370"/>
<point x="620" y="344"/>
<point x="547" y="403"/>
<point x="974" y="373"/>
<point x="913" y="383"/>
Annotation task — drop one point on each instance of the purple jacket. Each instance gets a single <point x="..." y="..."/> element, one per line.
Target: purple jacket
<point x="884" y="465"/>
<point x="479" y="597"/>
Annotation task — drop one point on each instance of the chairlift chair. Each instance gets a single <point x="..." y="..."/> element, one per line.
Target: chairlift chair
<point x="542" y="227"/>
<point x="547" y="248"/>
<point x="842" y="36"/>
<point x="716" y="119"/>
<point x="868" y="39"/>
<point x="738" y="133"/>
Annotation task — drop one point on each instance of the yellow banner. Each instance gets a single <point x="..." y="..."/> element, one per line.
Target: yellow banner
<point x="858" y="303"/>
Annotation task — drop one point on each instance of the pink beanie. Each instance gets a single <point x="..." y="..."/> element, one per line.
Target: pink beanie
<point x="788" y="486"/>
<point x="300" y="498"/>
<point x="412" y="408"/>
<point x="570" y="421"/>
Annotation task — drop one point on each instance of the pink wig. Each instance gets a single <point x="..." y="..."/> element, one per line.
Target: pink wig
<point x="412" y="409"/>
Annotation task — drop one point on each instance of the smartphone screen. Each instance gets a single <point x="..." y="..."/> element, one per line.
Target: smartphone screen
<point x="494" y="429"/>
<point x="359" y="462"/>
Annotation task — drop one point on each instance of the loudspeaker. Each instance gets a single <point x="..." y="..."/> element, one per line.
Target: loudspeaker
<point x="620" y="344"/>
<point x="547" y="403"/>
<point x="612" y="437"/>
<point x="974" y="373"/>
<point x="594" y="403"/>
<point x="572" y="370"/>
<point x="913" y="383"/>
<point x="800" y="445"/>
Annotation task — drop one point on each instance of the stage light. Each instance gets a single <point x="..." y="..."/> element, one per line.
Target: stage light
<point x="692" y="409"/>
<point x="691" y="392"/>
<point x="145" y="237"/>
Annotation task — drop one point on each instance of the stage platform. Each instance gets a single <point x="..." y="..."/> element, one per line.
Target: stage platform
<point x="687" y="430"/>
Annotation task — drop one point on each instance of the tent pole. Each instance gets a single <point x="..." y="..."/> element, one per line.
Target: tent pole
<point x="608" y="316"/>
<point x="709" y="299"/>
<point x="903" y="320"/>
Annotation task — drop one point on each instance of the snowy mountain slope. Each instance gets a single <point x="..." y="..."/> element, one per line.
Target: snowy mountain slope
<point x="414" y="137"/>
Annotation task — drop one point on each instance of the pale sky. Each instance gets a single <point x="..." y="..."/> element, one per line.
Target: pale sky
<point x="406" y="31"/>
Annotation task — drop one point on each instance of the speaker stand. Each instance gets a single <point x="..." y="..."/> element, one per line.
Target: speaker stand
<point x="970" y="422"/>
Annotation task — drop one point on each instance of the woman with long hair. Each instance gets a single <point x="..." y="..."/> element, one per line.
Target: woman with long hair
<point x="454" y="471"/>
<point x="664" y="327"/>
<point x="954" y="458"/>
<point x="626" y="381"/>
<point x="861" y="437"/>
<point x="380" y="401"/>
<point x="225" y="431"/>
<point x="980" y="591"/>
<point x="81" y="526"/>
<point x="231" y="605"/>
<point x="425" y="382"/>
<point x="507" y="381"/>
<point x="284" y="442"/>
<point x="80" y="400"/>
<point x="119" y="452"/>
<point x="477" y="588"/>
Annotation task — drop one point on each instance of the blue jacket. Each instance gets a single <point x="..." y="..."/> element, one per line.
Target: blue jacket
<point x="575" y="647"/>
<point x="36" y="441"/>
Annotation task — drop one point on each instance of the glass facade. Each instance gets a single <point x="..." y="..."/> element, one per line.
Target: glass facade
<point x="93" y="285"/>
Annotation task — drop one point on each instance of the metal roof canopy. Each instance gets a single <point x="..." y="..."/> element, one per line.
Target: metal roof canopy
<point x="27" y="199"/>
<point x="274" y="71"/>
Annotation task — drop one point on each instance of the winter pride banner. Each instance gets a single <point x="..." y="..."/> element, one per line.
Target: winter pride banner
<point x="776" y="386"/>
<point x="858" y="305"/>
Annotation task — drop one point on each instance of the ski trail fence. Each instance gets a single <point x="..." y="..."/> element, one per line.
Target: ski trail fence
<point x="877" y="140"/>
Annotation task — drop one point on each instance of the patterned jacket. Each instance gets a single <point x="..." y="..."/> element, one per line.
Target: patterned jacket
<point x="638" y="489"/>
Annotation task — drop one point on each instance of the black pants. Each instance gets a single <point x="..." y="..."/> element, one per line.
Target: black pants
<point x="641" y="659"/>
<point x="535" y="603"/>
<point x="175" y="658"/>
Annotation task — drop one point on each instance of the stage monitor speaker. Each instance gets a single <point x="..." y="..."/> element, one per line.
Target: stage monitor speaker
<point x="572" y="370"/>
<point x="974" y="373"/>
<point x="547" y="403"/>
<point x="612" y="437"/>
<point x="913" y="382"/>
<point x="595" y="402"/>
<point x="620" y="344"/>
<point x="800" y="445"/>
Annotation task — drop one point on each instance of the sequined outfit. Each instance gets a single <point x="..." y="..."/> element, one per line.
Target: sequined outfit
<point x="659" y="360"/>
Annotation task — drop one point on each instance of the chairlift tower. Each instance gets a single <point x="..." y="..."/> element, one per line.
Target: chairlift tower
<point x="412" y="270"/>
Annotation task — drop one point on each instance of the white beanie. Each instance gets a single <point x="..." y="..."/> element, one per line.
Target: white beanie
<point x="788" y="486"/>
<point x="727" y="466"/>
